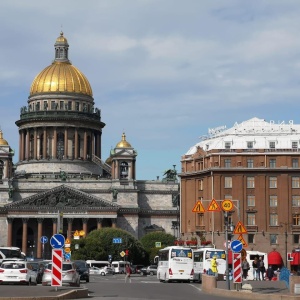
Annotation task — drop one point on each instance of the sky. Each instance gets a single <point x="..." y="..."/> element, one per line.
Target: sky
<point x="162" y="71"/>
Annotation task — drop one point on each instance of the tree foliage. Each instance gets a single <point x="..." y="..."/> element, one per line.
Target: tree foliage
<point x="149" y="240"/>
<point x="98" y="245"/>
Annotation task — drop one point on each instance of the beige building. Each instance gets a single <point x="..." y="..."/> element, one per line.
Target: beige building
<point x="255" y="164"/>
<point x="60" y="182"/>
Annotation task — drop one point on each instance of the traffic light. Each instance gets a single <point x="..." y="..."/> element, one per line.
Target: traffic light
<point x="126" y="252"/>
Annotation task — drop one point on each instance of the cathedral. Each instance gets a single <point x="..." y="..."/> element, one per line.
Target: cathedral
<point x="60" y="182"/>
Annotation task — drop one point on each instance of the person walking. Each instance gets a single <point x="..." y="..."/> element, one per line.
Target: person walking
<point x="245" y="268"/>
<point x="214" y="266"/>
<point x="270" y="272"/>
<point x="254" y="266"/>
<point x="128" y="273"/>
<point x="261" y="268"/>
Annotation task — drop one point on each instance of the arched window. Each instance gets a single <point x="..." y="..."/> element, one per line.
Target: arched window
<point x="1" y="170"/>
<point x="123" y="169"/>
<point x="60" y="149"/>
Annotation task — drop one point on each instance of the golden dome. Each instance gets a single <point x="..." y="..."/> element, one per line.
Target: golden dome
<point x="61" y="76"/>
<point x="3" y="142"/>
<point x="108" y="161"/>
<point x="123" y="143"/>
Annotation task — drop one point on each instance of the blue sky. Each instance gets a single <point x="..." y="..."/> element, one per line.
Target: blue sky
<point x="163" y="71"/>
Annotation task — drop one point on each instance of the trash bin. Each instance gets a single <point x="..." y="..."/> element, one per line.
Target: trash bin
<point x="297" y="288"/>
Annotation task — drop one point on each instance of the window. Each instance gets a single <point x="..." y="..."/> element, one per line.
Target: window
<point x="295" y="201"/>
<point x="37" y="106"/>
<point x="53" y="105"/>
<point x="273" y="220"/>
<point x="229" y="197"/>
<point x="200" y="185"/>
<point x="295" y="163"/>
<point x="200" y="220"/>
<point x="61" y="105"/>
<point x="250" y="145"/>
<point x="69" y="105"/>
<point x="250" y="200"/>
<point x="295" y="182"/>
<point x="273" y="182"/>
<point x="250" y="163"/>
<point x="227" y="145"/>
<point x="272" y="163"/>
<point x="294" y="145"/>
<point x="228" y="182"/>
<point x="227" y="163"/>
<point x="273" y="201"/>
<point x="272" y="145"/>
<point x="296" y="238"/>
<point x="250" y="182"/>
<point x="77" y="106"/>
<point x="273" y="239"/>
<point x="251" y="238"/>
<point x="296" y="219"/>
<point x="251" y="219"/>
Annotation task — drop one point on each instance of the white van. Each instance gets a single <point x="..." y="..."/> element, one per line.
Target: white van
<point x="202" y="261"/>
<point x="120" y="266"/>
<point x="251" y="256"/>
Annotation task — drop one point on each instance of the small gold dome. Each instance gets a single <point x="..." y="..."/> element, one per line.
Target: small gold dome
<point x="123" y="143"/>
<point x="108" y="161"/>
<point x="3" y="142"/>
<point x="61" y="76"/>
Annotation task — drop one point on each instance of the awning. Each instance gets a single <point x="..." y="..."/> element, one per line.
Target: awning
<point x="274" y="258"/>
<point x="296" y="258"/>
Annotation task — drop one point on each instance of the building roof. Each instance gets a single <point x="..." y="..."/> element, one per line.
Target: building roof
<point x="256" y="133"/>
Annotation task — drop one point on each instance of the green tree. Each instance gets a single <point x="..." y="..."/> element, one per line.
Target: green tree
<point x="98" y="245"/>
<point x="149" y="240"/>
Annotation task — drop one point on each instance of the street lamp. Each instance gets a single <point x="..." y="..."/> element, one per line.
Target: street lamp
<point x="286" y="236"/>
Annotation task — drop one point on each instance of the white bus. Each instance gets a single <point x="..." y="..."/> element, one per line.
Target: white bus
<point x="120" y="266"/>
<point x="98" y="263"/>
<point x="175" y="263"/>
<point x="202" y="261"/>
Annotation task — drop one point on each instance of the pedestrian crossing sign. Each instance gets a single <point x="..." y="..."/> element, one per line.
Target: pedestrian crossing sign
<point x="214" y="206"/>
<point x="198" y="207"/>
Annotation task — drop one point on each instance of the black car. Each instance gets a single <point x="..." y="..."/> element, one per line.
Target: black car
<point x="83" y="270"/>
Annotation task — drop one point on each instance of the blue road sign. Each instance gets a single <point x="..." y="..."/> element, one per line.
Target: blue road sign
<point x="236" y="246"/>
<point x="117" y="240"/>
<point x="44" y="239"/>
<point x="68" y="256"/>
<point x="57" y="241"/>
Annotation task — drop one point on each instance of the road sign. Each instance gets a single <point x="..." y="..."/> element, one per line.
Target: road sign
<point x="237" y="268"/>
<point x="67" y="243"/>
<point x="198" y="207"/>
<point x="44" y="239"/>
<point x="57" y="241"/>
<point x="117" y="240"/>
<point x="81" y="233"/>
<point x="228" y="244"/>
<point x="68" y="256"/>
<point x="157" y="244"/>
<point x="240" y="228"/>
<point x="227" y="205"/>
<point x="122" y="253"/>
<point x="57" y="258"/>
<point x="236" y="246"/>
<point x="67" y="250"/>
<point x="76" y="233"/>
<point x="214" y="206"/>
<point x="241" y="239"/>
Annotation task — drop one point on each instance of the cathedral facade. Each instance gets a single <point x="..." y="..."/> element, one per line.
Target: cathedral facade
<point x="60" y="183"/>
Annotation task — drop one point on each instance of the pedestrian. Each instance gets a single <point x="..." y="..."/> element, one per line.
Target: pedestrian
<point x="128" y="273"/>
<point x="254" y="266"/>
<point x="245" y="268"/>
<point x="214" y="266"/>
<point x="261" y="268"/>
<point x="270" y="272"/>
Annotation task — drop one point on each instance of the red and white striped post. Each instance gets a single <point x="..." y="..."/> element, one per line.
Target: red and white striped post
<point x="57" y="259"/>
<point x="237" y="268"/>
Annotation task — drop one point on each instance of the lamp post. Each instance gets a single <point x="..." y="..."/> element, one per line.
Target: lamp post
<point x="286" y="237"/>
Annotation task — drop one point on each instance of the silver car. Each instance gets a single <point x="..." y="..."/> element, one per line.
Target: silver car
<point x="70" y="276"/>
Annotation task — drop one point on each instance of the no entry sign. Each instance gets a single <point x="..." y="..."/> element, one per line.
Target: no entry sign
<point x="57" y="259"/>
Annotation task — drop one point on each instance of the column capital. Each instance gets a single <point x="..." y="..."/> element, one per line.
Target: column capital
<point x="85" y="220"/>
<point x="10" y="220"/>
<point x="70" y="220"/>
<point x="40" y="220"/>
<point x="54" y="220"/>
<point x="25" y="220"/>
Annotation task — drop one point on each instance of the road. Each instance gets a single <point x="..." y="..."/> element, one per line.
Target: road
<point x="115" y="288"/>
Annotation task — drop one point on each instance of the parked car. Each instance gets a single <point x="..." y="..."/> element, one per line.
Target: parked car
<point x="17" y="271"/>
<point x="152" y="270"/>
<point x="107" y="271"/>
<point x="137" y="269"/>
<point x="94" y="271"/>
<point x="83" y="269"/>
<point x="70" y="276"/>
